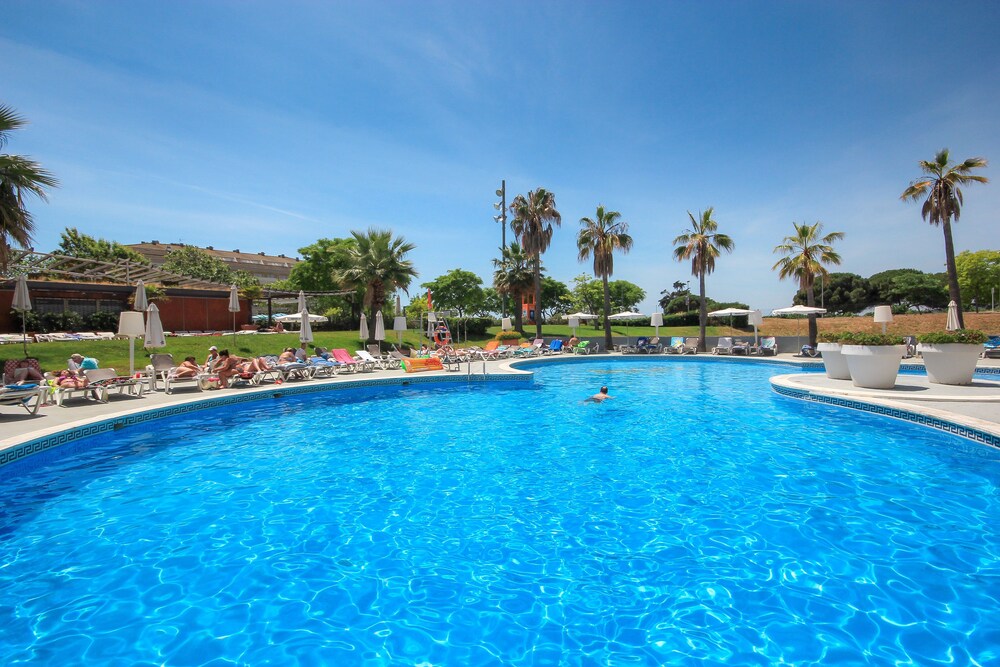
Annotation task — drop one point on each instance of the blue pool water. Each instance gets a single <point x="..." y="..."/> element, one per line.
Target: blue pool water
<point x="696" y="518"/>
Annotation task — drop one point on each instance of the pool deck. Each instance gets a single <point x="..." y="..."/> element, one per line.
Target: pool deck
<point x="976" y="406"/>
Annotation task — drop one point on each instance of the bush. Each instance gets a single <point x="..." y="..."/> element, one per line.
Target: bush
<point x="474" y="326"/>
<point x="687" y="319"/>
<point x="64" y="321"/>
<point x="508" y="336"/>
<point x="870" y="339"/>
<point x="962" y="336"/>
<point x="102" y="321"/>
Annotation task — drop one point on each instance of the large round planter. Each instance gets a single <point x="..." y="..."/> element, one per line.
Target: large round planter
<point x="873" y="366"/>
<point x="950" y="363"/>
<point x="834" y="361"/>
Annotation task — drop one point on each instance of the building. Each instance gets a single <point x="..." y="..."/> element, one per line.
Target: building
<point x="266" y="268"/>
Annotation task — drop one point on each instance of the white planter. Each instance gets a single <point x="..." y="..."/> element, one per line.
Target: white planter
<point x="950" y="363"/>
<point x="874" y="366"/>
<point x="834" y="361"/>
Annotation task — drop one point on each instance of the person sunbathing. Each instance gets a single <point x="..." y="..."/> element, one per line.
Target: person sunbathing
<point x="255" y="365"/>
<point x="226" y="367"/>
<point x="68" y="378"/>
<point x="22" y="372"/>
<point x="188" y="369"/>
<point x="287" y="356"/>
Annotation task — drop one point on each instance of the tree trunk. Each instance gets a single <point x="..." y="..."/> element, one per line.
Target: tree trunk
<point x="702" y="311"/>
<point x="518" y="319"/>
<point x="607" y="311"/>
<point x="953" y="291"/>
<point x="538" y="295"/>
<point x="811" y="302"/>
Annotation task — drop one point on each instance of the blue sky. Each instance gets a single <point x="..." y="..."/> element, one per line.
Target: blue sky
<point x="264" y="126"/>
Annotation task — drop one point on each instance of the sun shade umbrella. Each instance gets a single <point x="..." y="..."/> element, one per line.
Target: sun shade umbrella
<point x="952" y="322"/>
<point x="756" y="318"/>
<point x="139" y="303"/>
<point x="302" y="301"/>
<point x="379" y="329"/>
<point x="729" y="312"/>
<point x="626" y="317"/>
<point x="234" y="307"/>
<point x="22" y="304"/>
<point x="306" y="332"/>
<point x="399" y="326"/>
<point x="363" y="329"/>
<point x="154" y="328"/>
<point x="131" y="325"/>
<point x="656" y="319"/>
<point x="799" y="310"/>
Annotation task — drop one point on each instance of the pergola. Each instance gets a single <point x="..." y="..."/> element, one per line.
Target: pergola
<point x="270" y="294"/>
<point x="46" y="264"/>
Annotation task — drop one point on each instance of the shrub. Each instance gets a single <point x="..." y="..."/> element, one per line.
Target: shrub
<point x="474" y="326"/>
<point x="871" y="339"/>
<point x="102" y="321"/>
<point x="507" y="336"/>
<point x="964" y="336"/>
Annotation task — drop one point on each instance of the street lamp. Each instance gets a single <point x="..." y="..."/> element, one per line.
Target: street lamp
<point x="502" y="219"/>
<point x="687" y="297"/>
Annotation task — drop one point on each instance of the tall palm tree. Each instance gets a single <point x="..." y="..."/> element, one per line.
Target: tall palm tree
<point x="600" y="237"/>
<point x="806" y="252"/>
<point x="702" y="244"/>
<point x="513" y="275"/>
<point x="377" y="264"/>
<point x="944" y="203"/>
<point x="533" y="218"/>
<point x="19" y="176"/>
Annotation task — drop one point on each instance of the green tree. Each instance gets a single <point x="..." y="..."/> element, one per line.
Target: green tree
<point x="195" y="262"/>
<point x="979" y="275"/>
<point x="599" y="237"/>
<point x="910" y="287"/>
<point x="806" y="253"/>
<point x="556" y="296"/>
<point x="457" y="290"/>
<point x="676" y="300"/>
<point x="534" y="216"/>
<point x="19" y="177"/>
<point x="702" y="244"/>
<point x="625" y="295"/>
<point x="74" y="244"/>
<point x="321" y="261"/>
<point x="843" y="293"/>
<point x="513" y="276"/>
<point x="378" y="264"/>
<point x="943" y="203"/>
<point x="588" y="295"/>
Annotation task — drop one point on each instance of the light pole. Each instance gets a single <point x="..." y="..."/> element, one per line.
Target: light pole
<point x="502" y="219"/>
<point x="687" y="297"/>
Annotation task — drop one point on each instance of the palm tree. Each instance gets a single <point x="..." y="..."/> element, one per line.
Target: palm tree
<point x="807" y="252"/>
<point x="600" y="237"/>
<point x="513" y="276"/>
<point x="18" y="176"/>
<point x="533" y="219"/>
<point x="944" y="204"/>
<point x="702" y="244"/>
<point x="378" y="265"/>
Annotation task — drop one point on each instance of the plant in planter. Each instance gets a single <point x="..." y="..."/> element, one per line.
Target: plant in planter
<point x="509" y="337"/>
<point x="872" y="358"/>
<point x="950" y="356"/>
<point x="834" y="362"/>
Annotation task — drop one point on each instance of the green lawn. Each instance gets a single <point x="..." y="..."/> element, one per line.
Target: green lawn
<point x="114" y="353"/>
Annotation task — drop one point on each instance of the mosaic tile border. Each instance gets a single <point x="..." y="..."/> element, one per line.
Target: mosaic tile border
<point x="973" y="434"/>
<point x="49" y="442"/>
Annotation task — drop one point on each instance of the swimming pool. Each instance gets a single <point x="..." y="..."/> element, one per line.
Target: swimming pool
<point x="696" y="518"/>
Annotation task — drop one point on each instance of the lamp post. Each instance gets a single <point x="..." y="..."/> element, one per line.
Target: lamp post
<point x="502" y="219"/>
<point x="687" y="297"/>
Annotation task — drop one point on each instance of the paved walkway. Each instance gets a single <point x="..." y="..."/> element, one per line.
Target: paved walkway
<point x="978" y="405"/>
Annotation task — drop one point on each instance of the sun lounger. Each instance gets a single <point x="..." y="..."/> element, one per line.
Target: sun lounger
<point x="556" y="346"/>
<point x="366" y="357"/>
<point x="348" y="363"/>
<point x="322" y="368"/>
<point x="991" y="348"/>
<point x="21" y="395"/>
<point x="586" y="347"/>
<point x="725" y="346"/>
<point x="768" y="346"/>
<point x="97" y="393"/>
<point x="652" y="346"/>
<point x="690" y="345"/>
<point x="109" y="378"/>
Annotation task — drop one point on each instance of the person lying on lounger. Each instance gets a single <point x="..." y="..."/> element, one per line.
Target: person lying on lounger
<point x="188" y="369"/>
<point x="68" y="378"/>
<point x="287" y="356"/>
<point x="22" y="372"/>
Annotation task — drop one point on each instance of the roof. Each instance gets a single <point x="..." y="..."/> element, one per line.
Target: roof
<point x="31" y="263"/>
<point x="158" y="248"/>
